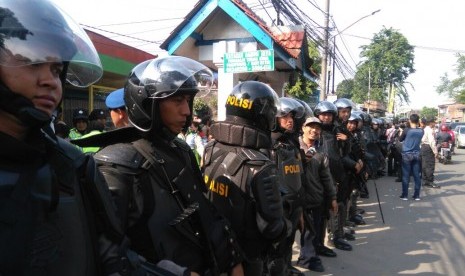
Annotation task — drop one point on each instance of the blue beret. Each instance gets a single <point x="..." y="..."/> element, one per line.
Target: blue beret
<point x="115" y="99"/>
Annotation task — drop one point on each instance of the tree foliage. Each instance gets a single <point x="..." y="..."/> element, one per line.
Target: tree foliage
<point x="454" y="88"/>
<point x="388" y="61"/>
<point x="345" y="88"/>
<point x="201" y="108"/>
<point x="300" y="87"/>
<point x="429" y="112"/>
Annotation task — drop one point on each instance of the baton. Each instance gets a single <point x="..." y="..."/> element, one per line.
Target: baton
<point x="379" y="203"/>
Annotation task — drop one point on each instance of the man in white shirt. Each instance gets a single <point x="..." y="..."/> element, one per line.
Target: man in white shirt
<point x="429" y="153"/>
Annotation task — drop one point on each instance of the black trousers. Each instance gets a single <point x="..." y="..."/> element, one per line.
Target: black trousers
<point x="428" y="164"/>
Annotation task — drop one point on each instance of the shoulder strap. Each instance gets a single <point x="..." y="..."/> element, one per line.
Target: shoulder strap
<point x="143" y="147"/>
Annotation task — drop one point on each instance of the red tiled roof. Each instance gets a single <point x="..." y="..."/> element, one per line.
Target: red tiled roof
<point x="290" y="38"/>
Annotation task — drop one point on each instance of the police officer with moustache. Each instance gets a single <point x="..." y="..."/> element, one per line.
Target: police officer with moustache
<point x="334" y="144"/>
<point x="56" y="215"/>
<point x="286" y="154"/>
<point x="241" y="179"/>
<point x="154" y="176"/>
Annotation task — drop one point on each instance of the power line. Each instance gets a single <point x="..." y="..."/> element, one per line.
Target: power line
<point x="138" y="22"/>
<point x="147" y="31"/>
<point x="430" y="48"/>
<point x="119" y="34"/>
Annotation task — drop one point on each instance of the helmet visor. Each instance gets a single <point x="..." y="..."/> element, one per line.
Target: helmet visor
<point x="288" y="105"/>
<point x="164" y="77"/>
<point x="33" y="32"/>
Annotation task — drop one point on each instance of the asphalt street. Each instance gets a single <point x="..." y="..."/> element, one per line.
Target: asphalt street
<point x="424" y="237"/>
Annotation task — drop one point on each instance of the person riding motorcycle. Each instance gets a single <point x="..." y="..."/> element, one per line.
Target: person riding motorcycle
<point x="443" y="141"/>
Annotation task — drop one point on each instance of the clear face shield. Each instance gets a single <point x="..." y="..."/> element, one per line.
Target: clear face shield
<point x="288" y="105"/>
<point x="171" y="76"/>
<point x="34" y="32"/>
<point x="165" y="77"/>
<point x="270" y="108"/>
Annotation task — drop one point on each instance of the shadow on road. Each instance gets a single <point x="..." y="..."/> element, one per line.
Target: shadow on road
<point x="424" y="237"/>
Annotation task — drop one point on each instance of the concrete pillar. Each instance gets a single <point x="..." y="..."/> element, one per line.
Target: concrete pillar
<point x="226" y="81"/>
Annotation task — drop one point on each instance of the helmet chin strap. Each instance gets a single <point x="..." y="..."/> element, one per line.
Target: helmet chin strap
<point x="22" y="108"/>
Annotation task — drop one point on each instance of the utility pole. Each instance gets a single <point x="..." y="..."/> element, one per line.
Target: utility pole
<point x="324" y="60"/>
<point x="369" y="90"/>
<point x="334" y="65"/>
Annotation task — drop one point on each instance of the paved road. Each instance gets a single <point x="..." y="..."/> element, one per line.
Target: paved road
<point x="424" y="237"/>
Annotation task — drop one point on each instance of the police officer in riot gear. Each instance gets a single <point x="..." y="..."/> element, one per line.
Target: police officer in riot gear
<point x="358" y="181"/>
<point x="55" y="212"/>
<point x="358" y="134"/>
<point x="241" y="179"/>
<point x="371" y="147"/>
<point x="334" y="144"/>
<point x="352" y="163"/>
<point x="286" y="154"/>
<point x="154" y="175"/>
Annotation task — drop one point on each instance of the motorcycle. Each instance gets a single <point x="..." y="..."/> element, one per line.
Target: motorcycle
<point x="444" y="153"/>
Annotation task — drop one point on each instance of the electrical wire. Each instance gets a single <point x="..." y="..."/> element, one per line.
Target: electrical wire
<point x="140" y="39"/>
<point x="139" y="22"/>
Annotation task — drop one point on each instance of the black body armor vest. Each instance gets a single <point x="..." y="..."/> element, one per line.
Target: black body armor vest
<point x="232" y="164"/>
<point x="45" y="219"/>
<point x="329" y="146"/>
<point x="289" y="164"/>
<point x="174" y="218"/>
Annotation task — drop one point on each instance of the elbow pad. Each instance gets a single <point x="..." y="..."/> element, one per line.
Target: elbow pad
<point x="266" y="193"/>
<point x="269" y="215"/>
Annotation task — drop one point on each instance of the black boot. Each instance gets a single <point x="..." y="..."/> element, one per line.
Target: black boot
<point x="357" y="219"/>
<point x="341" y="244"/>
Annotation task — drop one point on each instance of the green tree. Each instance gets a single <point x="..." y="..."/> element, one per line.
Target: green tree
<point x="345" y="89"/>
<point x="429" y="112"/>
<point x="454" y="88"/>
<point x="388" y="61"/>
<point x="299" y="86"/>
<point x="201" y="108"/>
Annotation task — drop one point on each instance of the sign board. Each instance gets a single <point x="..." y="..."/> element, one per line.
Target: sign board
<point x="253" y="61"/>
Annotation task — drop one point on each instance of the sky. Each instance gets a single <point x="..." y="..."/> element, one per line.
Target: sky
<point x="433" y="27"/>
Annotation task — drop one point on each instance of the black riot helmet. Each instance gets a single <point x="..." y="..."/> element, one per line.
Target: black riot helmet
<point x="325" y="106"/>
<point x="157" y="79"/>
<point x="35" y="32"/>
<point x="289" y="105"/>
<point x="358" y="114"/>
<point x="307" y="113"/>
<point x="366" y="118"/>
<point x="344" y="103"/>
<point x="307" y="108"/>
<point x="355" y="117"/>
<point x="255" y="102"/>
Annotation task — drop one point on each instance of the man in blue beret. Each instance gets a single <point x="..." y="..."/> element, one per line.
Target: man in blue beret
<point x="116" y="105"/>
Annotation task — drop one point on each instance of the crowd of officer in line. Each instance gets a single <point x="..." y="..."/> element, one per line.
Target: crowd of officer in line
<point x="139" y="202"/>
